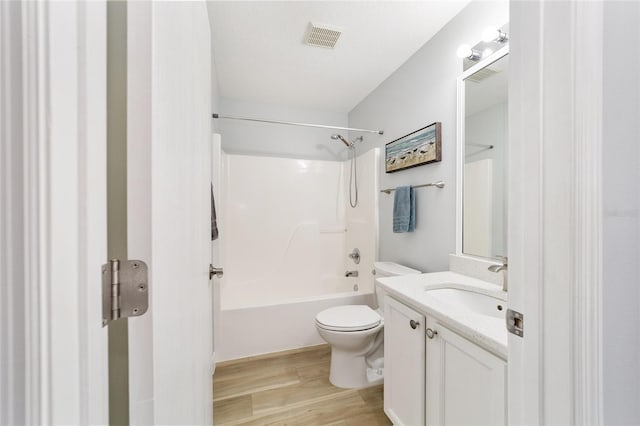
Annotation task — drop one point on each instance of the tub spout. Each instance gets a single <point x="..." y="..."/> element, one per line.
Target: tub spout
<point x="351" y="274"/>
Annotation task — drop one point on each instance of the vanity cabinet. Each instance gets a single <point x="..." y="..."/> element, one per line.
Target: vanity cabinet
<point x="434" y="376"/>
<point x="404" y="367"/>
<point x="465" y="384"/>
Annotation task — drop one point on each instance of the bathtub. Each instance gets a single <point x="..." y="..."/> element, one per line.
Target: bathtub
<point x="287" y="230"/>
<point x="256" y="330"/>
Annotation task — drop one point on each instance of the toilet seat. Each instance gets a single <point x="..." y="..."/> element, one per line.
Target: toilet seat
<point x="348" y="318"/>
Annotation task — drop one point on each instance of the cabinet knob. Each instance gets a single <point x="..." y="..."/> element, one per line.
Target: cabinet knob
<point x="431" y="333"/>
<point x="414" y="324"/>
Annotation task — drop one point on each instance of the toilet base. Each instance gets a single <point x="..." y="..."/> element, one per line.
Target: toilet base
<point x="349" y="371"/>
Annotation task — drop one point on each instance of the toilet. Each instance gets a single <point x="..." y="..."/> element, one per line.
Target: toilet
<point x="355" y="333"/>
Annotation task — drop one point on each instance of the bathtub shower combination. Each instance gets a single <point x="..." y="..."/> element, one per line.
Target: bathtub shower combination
<point x="289" y="229"/>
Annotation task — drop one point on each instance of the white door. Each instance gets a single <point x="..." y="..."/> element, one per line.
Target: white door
<point x="169" y="211"/>
<point x="217" y="164"/>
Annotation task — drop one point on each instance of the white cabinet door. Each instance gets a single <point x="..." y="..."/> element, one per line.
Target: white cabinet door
<point x="465" y="384"/>
<point x="403" y="364"/>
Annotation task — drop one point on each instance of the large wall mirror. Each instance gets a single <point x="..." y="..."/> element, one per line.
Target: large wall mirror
<point x="482" y="158"/>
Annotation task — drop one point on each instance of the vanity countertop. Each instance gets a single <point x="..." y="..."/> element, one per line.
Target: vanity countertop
<point x="488" y="332"/>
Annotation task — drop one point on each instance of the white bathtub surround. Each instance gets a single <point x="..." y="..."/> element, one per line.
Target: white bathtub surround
<point x="288" y="230"/>
<point x="488" y="332"/>
<point x="362" y="221"/>
<point x="478" y="208"/>
<point x="488" y="127"/>
<point x="286" y="227"/>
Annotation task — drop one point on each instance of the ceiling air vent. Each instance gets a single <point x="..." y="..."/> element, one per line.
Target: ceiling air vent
<point x="322" y="35"/>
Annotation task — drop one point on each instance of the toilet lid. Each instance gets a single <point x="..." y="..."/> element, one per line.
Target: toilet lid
<point x="348" y="318"/>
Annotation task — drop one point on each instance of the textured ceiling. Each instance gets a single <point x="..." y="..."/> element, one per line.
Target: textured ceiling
<point x="260" y="55"/>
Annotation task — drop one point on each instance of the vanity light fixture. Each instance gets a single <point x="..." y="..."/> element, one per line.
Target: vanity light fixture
<point x="494" y="34"/>
<point x="465" y="51"/>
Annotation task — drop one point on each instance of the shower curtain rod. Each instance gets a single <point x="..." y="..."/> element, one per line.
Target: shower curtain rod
<point x="291" y="123"/>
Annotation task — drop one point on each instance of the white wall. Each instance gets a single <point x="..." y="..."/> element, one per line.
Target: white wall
<point x="621" y="220"/>
<point x="250" y="138"/>
<point x="421" y="91"/>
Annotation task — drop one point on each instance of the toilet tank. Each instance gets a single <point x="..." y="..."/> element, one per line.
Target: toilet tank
<point x="389" y="269"/>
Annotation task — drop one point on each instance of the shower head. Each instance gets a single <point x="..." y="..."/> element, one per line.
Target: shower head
<point x="336" y="137"/>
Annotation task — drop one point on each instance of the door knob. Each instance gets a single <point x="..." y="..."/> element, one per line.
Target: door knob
<point x="215" y="271"/>
<point x="431" y="333"/>
<point x="414" y="324"/>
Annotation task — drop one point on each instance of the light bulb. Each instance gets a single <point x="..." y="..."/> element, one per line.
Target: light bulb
<point x="464" y="51"/>
<point x="490" y="34"/>
<point x="493" y="34"/>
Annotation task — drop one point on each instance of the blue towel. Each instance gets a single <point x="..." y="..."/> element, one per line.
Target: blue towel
<point x="214" y="217"/>
<point x="404" y="210"/>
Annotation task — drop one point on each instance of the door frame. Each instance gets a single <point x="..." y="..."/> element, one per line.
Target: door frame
<point x="555" y="217"/>
<point x="62" y="244"/>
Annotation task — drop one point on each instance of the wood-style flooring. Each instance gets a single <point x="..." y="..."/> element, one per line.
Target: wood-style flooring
<point x="291" y="388"/>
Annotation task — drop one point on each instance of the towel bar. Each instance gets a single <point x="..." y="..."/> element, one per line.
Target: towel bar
<point x="438" y="184"/>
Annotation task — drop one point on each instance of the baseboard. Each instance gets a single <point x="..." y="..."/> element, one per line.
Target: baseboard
<point x="272" y="355"/>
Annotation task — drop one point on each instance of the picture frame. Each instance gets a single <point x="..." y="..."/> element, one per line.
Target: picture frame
<point x="422" y="146"/>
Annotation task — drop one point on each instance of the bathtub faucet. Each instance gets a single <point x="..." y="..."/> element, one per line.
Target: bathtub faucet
<point x="351" y="274"/>
<point x="355" y="255"/>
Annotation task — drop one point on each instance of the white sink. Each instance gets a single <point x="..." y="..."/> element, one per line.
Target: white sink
<point x="469" y="301"/>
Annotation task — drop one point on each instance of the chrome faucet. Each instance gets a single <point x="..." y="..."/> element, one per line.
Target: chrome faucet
<point x="351" y="274"/>
<point x="504" y="268"/>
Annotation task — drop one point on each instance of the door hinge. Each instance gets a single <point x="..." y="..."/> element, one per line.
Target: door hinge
<point x="125" y="289"/>
<point x="515" y="322"/>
